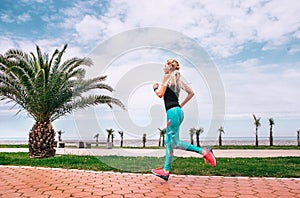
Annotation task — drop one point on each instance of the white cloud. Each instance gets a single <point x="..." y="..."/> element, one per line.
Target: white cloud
<point x="25" y="45"/>
<point x="23" y="18"/>
<point x="294" y="50"/>
<point x="19" y="19"/>
<point x="46" y="45"/>
<point x="222" y="26"/>
<point x="6" y="18"/>
<point x="5" y="44"/>
<point x="32" y="1"/>
<point x="89" y="29"/>
<point x="292" y="73"/>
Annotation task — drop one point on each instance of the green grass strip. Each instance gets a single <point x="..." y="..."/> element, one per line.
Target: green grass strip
<point x="280" y="167"/>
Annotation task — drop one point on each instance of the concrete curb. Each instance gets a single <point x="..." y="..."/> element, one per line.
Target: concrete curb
<point x="230" y="153"/>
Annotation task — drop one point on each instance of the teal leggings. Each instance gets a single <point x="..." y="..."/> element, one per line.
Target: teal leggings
<point x="174" y="119"/>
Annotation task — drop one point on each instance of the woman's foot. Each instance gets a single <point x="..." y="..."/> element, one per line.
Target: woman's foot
<point x="209" y="157"/>
<point x="160" y="172"/>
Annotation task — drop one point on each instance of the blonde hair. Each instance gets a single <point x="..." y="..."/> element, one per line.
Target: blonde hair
<point x="174" y="76"/>
<point x="173" y="63"/>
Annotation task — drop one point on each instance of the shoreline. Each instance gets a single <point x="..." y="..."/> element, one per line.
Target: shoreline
<point x="154" y="142"/>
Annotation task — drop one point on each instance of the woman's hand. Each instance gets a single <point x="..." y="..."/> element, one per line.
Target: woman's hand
<point x="155" y="86"/>
<point x="159" y="92"/>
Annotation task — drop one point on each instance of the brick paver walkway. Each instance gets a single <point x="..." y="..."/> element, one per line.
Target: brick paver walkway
<point x="46" y="182"/>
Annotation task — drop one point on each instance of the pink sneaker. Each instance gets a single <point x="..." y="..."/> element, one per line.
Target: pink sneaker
<point x="160" y="172"/>
<point x="209" y="157"/>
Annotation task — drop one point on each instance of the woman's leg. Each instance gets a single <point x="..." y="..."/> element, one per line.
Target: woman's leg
<point x="173" y="123"/>
<point x="174" y="119"/>
<point x="185" y="145"/>
<point x="169" y="149"/>
<point x="207" y="153"/>
<point x="172" y="127"/>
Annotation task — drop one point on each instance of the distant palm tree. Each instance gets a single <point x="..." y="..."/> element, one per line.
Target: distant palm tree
<point x="257" y="124"/>
<point x="60" y="132"/>
<point x="162" y="133"/>
<point x="198" y="133"/>
<point x="109" y="134"/>
<point x="47" y="88"/>
<point x="271" y="122"/>
<point x="121" y="134"/>
<point x="192" y="132"/>
<point x="97" y="138"/>
<point x="220" y="130"/>
<point x="298" y="137"/>
<point x="144" y="139"/>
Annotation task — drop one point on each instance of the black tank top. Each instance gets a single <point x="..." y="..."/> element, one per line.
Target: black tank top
<point x="170" y="99"/>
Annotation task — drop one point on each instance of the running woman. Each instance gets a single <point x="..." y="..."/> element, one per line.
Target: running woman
<point x="169" y="90"/>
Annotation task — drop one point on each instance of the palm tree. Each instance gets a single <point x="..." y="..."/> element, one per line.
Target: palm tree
<point x="198" y="133"/>
<point x="271" y="122"/>
<point x="47" y="88"/>
<point x="192" y="132"/>
<point x="298" y="137"/>
<point x="60" y="143"/>
<point x="220" y="130"/>
<point x="144" y="139"/>
<point x="60" y="132"/>
<point x="162" y="133"/>
<point x="109" y="134"/>
<point x="257" y="124"/>
<point x="97" y="138"/>
<point x="121" y="134"/>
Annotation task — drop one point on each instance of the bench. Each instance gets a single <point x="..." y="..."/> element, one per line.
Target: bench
<point x="88" y="144"/>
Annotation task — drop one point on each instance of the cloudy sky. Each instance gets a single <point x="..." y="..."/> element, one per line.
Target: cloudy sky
<point x="254" y="45"/>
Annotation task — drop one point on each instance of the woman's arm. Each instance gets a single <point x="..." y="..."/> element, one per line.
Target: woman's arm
<point x="161" y="92"/>
<point x="190" y="93"/>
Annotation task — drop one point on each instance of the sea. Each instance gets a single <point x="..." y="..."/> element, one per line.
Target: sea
<point x="226" y="141"/>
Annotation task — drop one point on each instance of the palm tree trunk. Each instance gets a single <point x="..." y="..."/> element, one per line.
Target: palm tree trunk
<point x="192" y="139"/>
<point x="256" y="138"/>
<point x="198" y="141"/>
<point x="159" y="141"/>
<point x="271" y="136"/>
<point x="220" y="140"/>
<point x="144" y="140"/>
<point x="298" y="137"/>
<point x="121" y="142"/>
<point x="41" y="140"/>
<point x="163" y="140"/>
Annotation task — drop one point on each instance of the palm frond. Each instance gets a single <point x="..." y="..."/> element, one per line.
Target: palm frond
<point x="55" y="53"/>
<point x="86" y="85"/>
<point x="58" y="58"/>
<point x="73" y="63"/>
<point x="271" y="121"/>
<point x="21" y="76"/>
<point x="40" y="59"/>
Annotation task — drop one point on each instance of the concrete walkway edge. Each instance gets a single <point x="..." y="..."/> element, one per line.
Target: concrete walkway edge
<point x="229" y="153"/>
